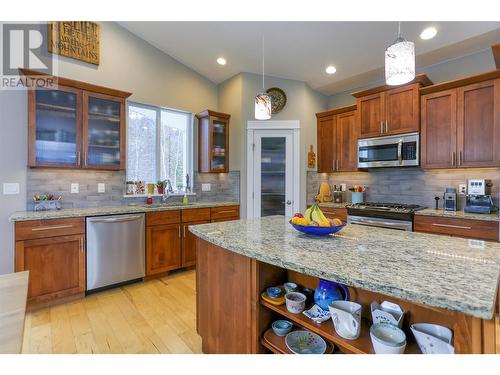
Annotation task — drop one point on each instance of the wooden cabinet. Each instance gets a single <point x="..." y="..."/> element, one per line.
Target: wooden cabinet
<point x="169" y="244"/>
<point x="189" y="244"/>
<point x="225" y="213"/>
<point x="213" y="142"/>
<point x="77" y="125"/>
<point x="386" y="110"/>
<point x="337" y="140"/>
<point x="461" y="126"/>
<point x="468" y="228"/>
<point x="163" y="248"/>
<point x="54" y="255"/>
<point x="332" y="213"/>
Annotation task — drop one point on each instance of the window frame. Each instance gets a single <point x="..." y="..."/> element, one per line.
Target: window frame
<point x="189" y="138"/>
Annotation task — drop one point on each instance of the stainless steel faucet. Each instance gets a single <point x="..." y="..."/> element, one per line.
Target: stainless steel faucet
<point x="168" y="191"/>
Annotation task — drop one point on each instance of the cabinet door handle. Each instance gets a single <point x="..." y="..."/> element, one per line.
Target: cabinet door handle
<point x="226" y="211"/>
<point x="53" y="227"/>
<point x="81" y="245"/>
<point x="337" y="164"/>
<point x="381" y="127"/>
<point x="453" y="158"/>
<point x="451" y="226"/>
<point x="333" y="165"/>
<point x="386" y="126"/>
<point x="85" y="158"/>
<point x="78" y="158"/>
<point x="179" y="227"/>
<point x="460" y="158"/>
<point x="185" y="231"/>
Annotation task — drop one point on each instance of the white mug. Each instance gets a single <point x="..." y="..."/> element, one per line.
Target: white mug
<point x="346" y="316"/>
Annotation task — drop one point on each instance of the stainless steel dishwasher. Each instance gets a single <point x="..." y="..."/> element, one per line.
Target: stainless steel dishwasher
<point x="115" y="250"/>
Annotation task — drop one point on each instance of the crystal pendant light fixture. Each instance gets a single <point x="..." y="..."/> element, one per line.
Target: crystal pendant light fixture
<point x="400" y="61"/>
<point x="262" y="100"/>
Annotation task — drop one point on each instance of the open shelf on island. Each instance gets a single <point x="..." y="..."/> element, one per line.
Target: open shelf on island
<point x="277" y="344"/>
<point x="361" y="345"/>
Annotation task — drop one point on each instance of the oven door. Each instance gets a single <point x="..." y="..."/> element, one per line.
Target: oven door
<point x="381" y="223"/>
<point x="391" y="151"/>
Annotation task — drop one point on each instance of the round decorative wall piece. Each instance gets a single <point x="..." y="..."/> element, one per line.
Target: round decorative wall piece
<point x="278" y="99"/>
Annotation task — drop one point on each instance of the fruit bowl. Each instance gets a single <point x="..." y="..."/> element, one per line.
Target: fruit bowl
<point x="316" y="230"/>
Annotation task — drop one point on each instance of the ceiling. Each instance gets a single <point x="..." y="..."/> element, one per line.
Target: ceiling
<point x="302" y="50"/>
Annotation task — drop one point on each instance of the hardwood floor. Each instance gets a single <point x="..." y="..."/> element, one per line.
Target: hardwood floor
<point x="157" y="316"/>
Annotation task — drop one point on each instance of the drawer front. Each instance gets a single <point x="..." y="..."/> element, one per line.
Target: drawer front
<point x="195" y="214"/>
<point x="33" y="229"/>
<point x="226" y="212"/>
<point x="330" y="213"/>
<point x="163" y="217"/>
<point x="477" y="229"/>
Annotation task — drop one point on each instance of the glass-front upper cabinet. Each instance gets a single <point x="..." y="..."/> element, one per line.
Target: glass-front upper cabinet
<point x="54" y="130"/>
<point x="103" y="131"/>
<point x="75" y="124"/>
<point x="213" y="142"/>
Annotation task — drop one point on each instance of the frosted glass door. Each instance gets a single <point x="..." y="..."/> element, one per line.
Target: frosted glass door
<point x="273" y="179"/>
<point x="56" y="134"/>
<point x="103" y="133"/>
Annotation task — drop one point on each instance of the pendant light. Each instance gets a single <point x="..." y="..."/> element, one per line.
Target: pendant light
<point x="262" y="100"/>
<point x="400" y="61"/>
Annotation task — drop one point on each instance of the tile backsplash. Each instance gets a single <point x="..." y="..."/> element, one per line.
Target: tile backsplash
<point x="224" y="187"/>
<point x="404" y="185"/>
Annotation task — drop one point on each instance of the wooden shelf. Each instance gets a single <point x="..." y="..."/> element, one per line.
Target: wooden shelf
<point x="54" y="107"/>
<point x="277" y="344"/>
<point x="362" y="345"/>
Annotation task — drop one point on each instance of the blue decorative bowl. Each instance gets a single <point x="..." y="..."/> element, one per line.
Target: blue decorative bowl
<point x="274" y="292"/>
<point x="282" y="327"/>
<point x="317" y="231"/>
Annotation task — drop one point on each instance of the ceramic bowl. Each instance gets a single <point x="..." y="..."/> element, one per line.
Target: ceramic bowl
<point x="295" y="302"/>
<point x="273" y="291"/>
<point x="282" y="327"/>
<point x="433" y="338"/>
<point x="305" y="342"/>
<point x="387" y="339"/>
<point x="290" y="287"/>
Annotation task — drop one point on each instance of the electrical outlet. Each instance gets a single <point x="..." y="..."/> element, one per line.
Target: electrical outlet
<point x="75" y="188"/>
<point x="206" y="187"/>
<point x="101" y="187"/>
<point x="462" y="189"/>
<point x="11" y="188"/>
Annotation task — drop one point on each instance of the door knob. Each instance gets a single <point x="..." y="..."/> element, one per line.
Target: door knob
<point x="289" y="202"/>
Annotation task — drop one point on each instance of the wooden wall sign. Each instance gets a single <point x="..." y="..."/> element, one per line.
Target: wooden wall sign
<point x="78" y="40"/>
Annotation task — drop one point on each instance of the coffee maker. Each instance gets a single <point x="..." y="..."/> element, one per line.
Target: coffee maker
<point x="450" y="199"/>
<point x="478" y="199"/>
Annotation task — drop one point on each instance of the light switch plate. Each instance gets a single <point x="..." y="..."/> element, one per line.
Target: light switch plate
<point x="206" y="187"/>
<point x="101" y="187"/>
<point x="462" y="189"/>
<point x="11" y="188"/>
<point x="75" y="188"/>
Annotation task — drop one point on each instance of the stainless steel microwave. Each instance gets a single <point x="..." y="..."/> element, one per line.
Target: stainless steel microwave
<point x="390" y="151"/>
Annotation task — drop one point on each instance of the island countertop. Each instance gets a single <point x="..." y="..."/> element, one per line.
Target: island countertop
<point x="111" y="210"/>
<point x="440" y="271"/>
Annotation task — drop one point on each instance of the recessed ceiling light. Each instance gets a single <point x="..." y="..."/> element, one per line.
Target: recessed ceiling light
<point x="428" y="33"/>
<point x="330" y="69"/>
<point x="221" y="61"/>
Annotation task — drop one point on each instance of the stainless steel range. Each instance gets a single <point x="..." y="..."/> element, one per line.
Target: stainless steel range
<point x="385" y="215"/>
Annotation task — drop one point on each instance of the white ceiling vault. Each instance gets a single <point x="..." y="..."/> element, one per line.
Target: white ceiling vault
<point x="302" y="50"/>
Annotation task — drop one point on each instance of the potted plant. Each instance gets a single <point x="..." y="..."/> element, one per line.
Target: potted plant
<point x="160" y="185"/>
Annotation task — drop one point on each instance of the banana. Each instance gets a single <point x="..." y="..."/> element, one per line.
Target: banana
<point x="307" y="214"/>
<point x="321" y="215"/>
<point x="316" y="214"/>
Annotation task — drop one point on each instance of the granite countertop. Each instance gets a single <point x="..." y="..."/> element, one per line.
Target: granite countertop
<point x="446" y="272"/>
<point x="112" y="210"/>
<point x="458" y="214"/>
<point x="13" y="295"/>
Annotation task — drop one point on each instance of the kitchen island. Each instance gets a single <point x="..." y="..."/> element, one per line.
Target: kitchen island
<point x="435" y="279"/>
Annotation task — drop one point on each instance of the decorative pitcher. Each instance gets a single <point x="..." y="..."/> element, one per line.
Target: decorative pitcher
<point x="329" y="291"/>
